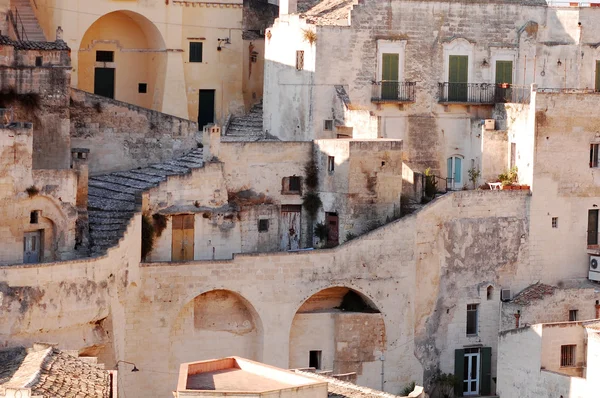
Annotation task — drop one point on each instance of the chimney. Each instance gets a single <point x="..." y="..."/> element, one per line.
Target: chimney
<point x="288" y="7"/>
<point x="59" y="34"/>
<point x="597" y="309"/>
<point x="79" y="163"/>
<point x="517" y="316"/>
<point x="211" y="140"/>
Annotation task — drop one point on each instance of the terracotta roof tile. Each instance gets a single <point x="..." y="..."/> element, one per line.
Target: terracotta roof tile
<point x="330" y="12"/>
<point x="34" y="45"/>
<point x="533" y="293"/>
<point x="343" y="389"/>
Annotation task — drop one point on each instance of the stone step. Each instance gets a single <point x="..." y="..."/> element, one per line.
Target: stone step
<point x="140" y="177"/>
<point x="126" y="182"/>
<point x="93" y="182"/>
<point x="105" y="235"/>
<point x="193" y="163"/>
<point x="99" y="203"/>
<point x="117" y="216"/>
<point x="154" y="172"/>
<point x="177" y="169"/>
<point x="105" y="193"/>
<point x="108" y="227"/>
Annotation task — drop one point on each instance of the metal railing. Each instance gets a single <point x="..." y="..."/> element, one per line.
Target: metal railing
<point x="483" y="93"/>
<point x="508" y="93"/>
<point x="15" y="20"/>
<point x="393" y="91"/>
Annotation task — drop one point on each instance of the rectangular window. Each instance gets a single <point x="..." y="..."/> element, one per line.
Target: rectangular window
<point x="597" y="75"/>
<point x="592" y="231"/>
<point x="554" y="222"/>
<point x="314" y="359"/>
<point x="328" y="125"/>
<point x="472" y="319"/>
<point x="105" y="56"/>
<point x="142" y="88"/>
<point x="567" y="355"/>
<point x="33" y="217"/>
<point x="331" y="164"/>
<point x="594" y="155"/>
<point x="573" y="315"/>
<point x="253" y="57"/>
<point x="263" y="225"/>
<point x="195" y="51"/>
<point x="504" y="71"/>
<point x="295" y="184"/>
<point x="299" y="60"/>
<point x="39" y="61"/>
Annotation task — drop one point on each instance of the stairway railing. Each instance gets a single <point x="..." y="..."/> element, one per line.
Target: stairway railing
<point x="15" y="20"/>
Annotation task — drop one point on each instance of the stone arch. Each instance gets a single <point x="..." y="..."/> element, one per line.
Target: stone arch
<point x="215" y="324"/>
<point x="140" y="57"/>
<point x="345" y="329"/>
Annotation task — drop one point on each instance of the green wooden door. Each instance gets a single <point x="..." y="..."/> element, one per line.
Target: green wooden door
<point x="486" y="371"/>
<point x="459" y="372"/>
<point x="503" y="81"/>
<point x="458" y="78"/>
<point x="597" y="75"/>
<point x="389" y="76"/>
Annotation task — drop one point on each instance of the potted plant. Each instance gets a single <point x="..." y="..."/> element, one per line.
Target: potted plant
<point x="509" y="179"/>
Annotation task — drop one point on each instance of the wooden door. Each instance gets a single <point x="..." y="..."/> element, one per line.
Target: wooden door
<point x="332" y="222"/>
<point x="597" y="75"/>
<point x="32" y="242"/>
<point x="592" y="227"/>
<point x="290" y="227"/>
<point x="206" y="108"/>
<point x="389" y="76"/>
<point x="458" y="78"/>
<point x="504" y="75"/>
<point x="182" y="248"/>
<point x="104" y="82"/>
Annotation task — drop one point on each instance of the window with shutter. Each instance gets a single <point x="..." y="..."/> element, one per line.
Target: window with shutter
<point x="389" y="76"/>
<point x="458" y="77"/>
<point x="195" y="51"/>
<point x="597" y="75"/>
<point x="592" y="227"/>
<point x="504" y="72"/>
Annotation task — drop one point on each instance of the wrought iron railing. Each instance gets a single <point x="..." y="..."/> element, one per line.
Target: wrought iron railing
<point x="393" y="91"/>
<point x="473" y="93"/>
<point x="17" y="24"/>
<point x="508" y="93"/>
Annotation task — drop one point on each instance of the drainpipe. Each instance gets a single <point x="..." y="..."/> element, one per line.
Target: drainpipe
<point x="517" y="316"/>
<point x="382" y="359"/>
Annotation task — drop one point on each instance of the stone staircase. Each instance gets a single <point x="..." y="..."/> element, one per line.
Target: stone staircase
<point x="26" y="16"/>
<point x="248" y="127"/>
<point x="114" y="197"/>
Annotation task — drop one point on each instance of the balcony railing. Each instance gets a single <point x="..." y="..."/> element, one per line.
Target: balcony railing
<point x="483" y="93"/>
<point x="393" y="92"/>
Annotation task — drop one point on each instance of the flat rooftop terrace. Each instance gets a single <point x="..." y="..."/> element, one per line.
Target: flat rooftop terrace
<point x="233" y="380"/>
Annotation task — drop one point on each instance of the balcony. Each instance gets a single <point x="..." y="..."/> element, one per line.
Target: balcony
<point x="393" y="92"/>
<point x="482" y="93"/>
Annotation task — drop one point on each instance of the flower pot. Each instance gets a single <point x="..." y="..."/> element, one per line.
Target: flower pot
<point x="507" y="187"/>
<point x="525" y="187"/>
<point x="573" y="4"/>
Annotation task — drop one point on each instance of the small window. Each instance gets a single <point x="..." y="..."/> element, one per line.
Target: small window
<point x="331" y="164"/>
<point x="573" y="315"/>
<point x="328" y="125"/>
<point x="554" y="222"/>
<point x="567" y="355"/>
<point x="253" y="57"/>
<point x="105" y="56"/>
<point x="490" y="292"/>
<point x="314" y="359"/>
<point x="295" y="184"/>
<point x="594" y="155"/>
<point x="299" y="60"/>
<point x="142" y="88"/>
<point x="39" y="61"/>
<point x="195" y="51"/>
<point x="472" y="319"/>
<point x="592" y="230"/>
<point x="263" y="225"/>
<point x="33" y="217"/>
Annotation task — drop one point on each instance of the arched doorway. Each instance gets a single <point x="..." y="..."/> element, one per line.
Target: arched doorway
<point x="216" y="324"/>
<point x="123" y="56"/>
<point x="454" y="166"/>
<point x="341" y="330"/>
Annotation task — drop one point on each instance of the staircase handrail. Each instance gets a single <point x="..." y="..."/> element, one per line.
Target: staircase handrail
<point x="15" y="19"/>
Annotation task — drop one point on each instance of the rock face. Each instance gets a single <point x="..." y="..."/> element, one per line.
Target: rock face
<point x="114" y="197"/>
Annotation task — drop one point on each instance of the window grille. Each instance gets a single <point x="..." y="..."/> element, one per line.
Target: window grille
<point x="567" y="355"/>
<point x="299" y="60"/>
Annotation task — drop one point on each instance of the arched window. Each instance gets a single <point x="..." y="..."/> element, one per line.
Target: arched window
<point x="490" y="292"/>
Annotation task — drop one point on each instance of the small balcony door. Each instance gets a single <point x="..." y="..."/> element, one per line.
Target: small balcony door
<point x="458" y="78"/>
<point x="389" y="76"/>
<point x="32" y="242"/>
<point x="455" y="170"/>
<point x="504" y="79"/>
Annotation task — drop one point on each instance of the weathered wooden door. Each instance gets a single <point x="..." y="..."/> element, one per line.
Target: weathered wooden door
<point x="290" y="227"/>
<point x="32" y="247"/>
<point x="332" y="222"/>
<point x="182" y="248"/>
<point x="389" y="76"/>
<point x="504" y="75"/>
<point x="104" y="82"/>
<point x="458" y="78"/>
<point x="206" y="108"/>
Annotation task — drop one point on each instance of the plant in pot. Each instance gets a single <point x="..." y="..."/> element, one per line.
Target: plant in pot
<point x="509" y="178"/>
<point x="474" y="175"/>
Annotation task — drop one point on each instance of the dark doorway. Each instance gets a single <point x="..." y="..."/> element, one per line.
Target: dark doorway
<point x="314" y="359"/>
<point x="333" y="232"/>
<point x="206" y="108"/>
<point x="104" y="82"/>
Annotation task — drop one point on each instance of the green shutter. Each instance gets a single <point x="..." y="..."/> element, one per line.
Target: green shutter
<point x="597" y="75"/>
<point x="486" y="371"/>
<point x="389" y="70"/>
<point x="459" y="69"/>
<point x="504" y="72"/>
<point x="459" y="373"/>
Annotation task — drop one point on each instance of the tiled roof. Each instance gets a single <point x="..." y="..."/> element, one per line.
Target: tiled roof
<point x="532" y="293"/>
<point x="50" y="373"/>
<point x="34" y="45"/>
<point x="343" y="389"/>
<point x="330" y="12"/>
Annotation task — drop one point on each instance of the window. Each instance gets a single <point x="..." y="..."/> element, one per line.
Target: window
<point x="567" y="355"/>
<point x="592" y="231"/>
<point x="295" y="184"/>
<point x="554" y="222"/>
<point x="105" y="56"/>
<point x="513" y="155"/>
<point x="195" y="51"/>
<point x="33" y="217"/>
<point x="597" y="75"/>
<point x="291" y="185"/>
<point x="328" y="125"/>
<point x="314" y="359"/>
<point x="490" y="292"/>
<point x="594" y="155"/>
<point x="299" y="60"/>
<point x="39" y="61"/>
<point x="253" y="57"/>
<point x="331" y="164"/>
<point x="142" y="88"/>
<point x="472" y="319"/>
<point x="573" y="315"/>
<point x="263" y="225"/>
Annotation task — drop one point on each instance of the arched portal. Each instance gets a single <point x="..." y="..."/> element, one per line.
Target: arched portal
<point x="123" y="56"/>
<point x="216" y="324"/>
<point x="342" y="330"/>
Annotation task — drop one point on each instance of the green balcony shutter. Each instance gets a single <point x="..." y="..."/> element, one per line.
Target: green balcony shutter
<point x="486" y="370"/>
<point x="459" y="373"/>
<point x="459" y="69"/>
<point x="389" y="71"/>
<point x="597" y="75"/>
<point x="504" y="72"/>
